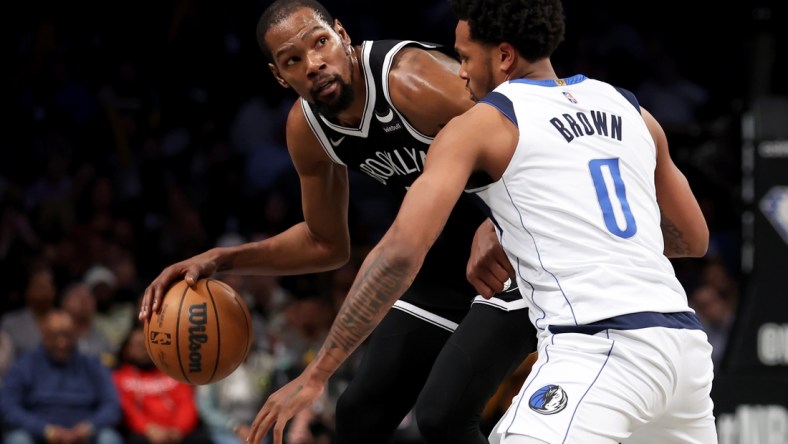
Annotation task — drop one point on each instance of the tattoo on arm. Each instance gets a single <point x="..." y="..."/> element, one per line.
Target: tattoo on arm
<point x="675" y="245"/>
<point x="373" y="291"/>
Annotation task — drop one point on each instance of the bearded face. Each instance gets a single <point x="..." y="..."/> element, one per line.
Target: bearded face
<point x="333" y="105"/>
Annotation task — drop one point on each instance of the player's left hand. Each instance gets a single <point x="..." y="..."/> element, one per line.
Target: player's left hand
<point x="282" y="405"/>
<point x="488" y="267"/>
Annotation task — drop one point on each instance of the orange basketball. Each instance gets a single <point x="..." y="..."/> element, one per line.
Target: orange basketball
<point x="202" y="333"/>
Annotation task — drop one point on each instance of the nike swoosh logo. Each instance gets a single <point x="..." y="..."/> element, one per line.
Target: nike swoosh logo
<point x="511" y="290"/>
<point x="507" y="285"/>
<point x="387" y="118"/>
<point x="337" y="142"/>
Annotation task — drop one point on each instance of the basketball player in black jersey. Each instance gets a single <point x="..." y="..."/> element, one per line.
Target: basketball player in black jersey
<point x="375" y="108"/>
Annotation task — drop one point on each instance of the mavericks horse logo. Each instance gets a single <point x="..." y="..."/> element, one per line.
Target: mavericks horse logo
<point x="548" y="400"/>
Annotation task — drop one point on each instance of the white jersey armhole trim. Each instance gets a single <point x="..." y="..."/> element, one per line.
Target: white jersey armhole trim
<point x="387" y="61"/>
<point x="311" y="119"/>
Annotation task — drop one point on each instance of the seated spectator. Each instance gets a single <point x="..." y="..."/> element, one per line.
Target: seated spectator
<point x="301" y="328"/>
<point x="114" y="318"/>
<point x="717" y="312"/>
<point x="128" y="286"/>
<point x="22" y="325"/>
<point x="6" y="354"/>
<point x="79" y="302"/>
<point x="229" y="406"/>
<point x="56" y="394"/>
<point x="156" y="408"/>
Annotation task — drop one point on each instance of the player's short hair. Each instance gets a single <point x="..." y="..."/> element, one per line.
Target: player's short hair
<point x="534" y="27"/>
<point x="278" y="11"/>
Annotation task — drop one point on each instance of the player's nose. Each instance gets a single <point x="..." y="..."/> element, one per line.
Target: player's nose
<point x="314" y="62"/>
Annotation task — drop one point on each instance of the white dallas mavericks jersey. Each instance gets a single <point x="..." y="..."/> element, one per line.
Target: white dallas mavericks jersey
<point x="576" y="208"/>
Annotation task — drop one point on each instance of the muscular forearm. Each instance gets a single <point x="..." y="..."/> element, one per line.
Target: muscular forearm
<point x="682" y="222"/>
<point x="678" y="243"/>
<point x="379" y="283"/>
<point x="295" y="251"/>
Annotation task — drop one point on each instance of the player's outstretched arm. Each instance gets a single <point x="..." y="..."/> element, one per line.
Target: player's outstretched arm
<point x="320" y="243"/>
<point x="427" y="89"/>
<point x="386" y="273"/>
<point x="683" y="225"/>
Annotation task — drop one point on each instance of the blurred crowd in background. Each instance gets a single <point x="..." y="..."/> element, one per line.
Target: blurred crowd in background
<point x="142" y="133"/>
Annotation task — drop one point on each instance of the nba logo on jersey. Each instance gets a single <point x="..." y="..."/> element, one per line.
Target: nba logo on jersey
<point x="548" y="400"/>
<point x="569" y="96"/>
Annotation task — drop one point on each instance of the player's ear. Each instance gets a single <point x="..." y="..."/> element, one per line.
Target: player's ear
<point x="275" y="72"/>
<point x="342" y="32"/>
<point x="507" y="56"/>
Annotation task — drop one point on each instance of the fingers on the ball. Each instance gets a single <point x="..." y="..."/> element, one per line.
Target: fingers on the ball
<point x="156" y="300"/>
<point x="144" y="305"/>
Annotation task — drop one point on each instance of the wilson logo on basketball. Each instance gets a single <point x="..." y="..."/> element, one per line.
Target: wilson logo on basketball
<point x="198" y="317"/>
<point x="202" y="334"/>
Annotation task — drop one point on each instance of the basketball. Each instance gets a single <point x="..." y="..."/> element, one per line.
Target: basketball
<point x="202" y="333"/>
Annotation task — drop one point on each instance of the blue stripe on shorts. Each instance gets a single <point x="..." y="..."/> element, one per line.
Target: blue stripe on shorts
<point x="634" y="321"/>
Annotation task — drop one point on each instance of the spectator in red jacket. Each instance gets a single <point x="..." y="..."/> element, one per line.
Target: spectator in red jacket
<point x="156" y="408"/>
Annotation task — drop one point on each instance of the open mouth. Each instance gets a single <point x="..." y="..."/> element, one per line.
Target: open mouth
<point x="324" y="87"/>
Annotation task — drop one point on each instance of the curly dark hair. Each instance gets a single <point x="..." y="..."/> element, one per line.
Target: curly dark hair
<point x="534" y="27"/>
<point x="278" y="11"/>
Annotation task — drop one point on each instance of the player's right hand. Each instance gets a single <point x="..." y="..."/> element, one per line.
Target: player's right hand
<point x="282" y="405"/>
<point x="488" y="267"/>
<point x="201" y="266"/>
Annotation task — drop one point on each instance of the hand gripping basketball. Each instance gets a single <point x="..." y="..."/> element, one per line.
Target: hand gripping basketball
<point x="202" y="332"/>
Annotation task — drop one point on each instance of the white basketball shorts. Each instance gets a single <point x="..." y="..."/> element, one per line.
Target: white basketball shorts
<point x="649" y="385"/>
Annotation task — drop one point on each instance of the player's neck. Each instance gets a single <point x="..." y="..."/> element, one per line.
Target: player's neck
<point x="539" y="70"/>
<point x="352" y="115"/>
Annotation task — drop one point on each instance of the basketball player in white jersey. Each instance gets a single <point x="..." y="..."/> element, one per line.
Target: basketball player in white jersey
<point x="375" y="108"/>
<point x="587" y="205"/>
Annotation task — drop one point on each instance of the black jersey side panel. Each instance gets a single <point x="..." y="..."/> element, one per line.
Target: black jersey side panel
<point x="388" y="149"/>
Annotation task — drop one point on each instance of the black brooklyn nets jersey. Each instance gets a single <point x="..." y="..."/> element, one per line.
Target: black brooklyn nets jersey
<point x="388" y="149"/>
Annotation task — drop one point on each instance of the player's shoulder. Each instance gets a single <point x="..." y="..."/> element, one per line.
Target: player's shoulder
<point x="296" y="119"/>
<point x="408" y="55"/>
<point x="423" y="58"/>
<point x="615" y="91"/>
<point x="302" y="142"/>
<point x="392" y="47"/>
<point x="416" y="68"/>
